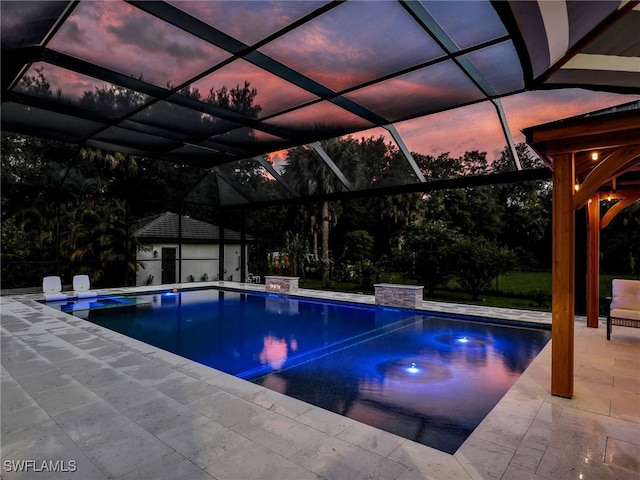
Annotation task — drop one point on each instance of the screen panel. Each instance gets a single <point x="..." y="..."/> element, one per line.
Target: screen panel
<point x="354" y="43"/>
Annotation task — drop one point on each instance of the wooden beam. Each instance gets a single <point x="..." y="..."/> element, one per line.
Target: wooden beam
<point x="604" y="171"/>
<point x="593" y="261"/>
<point x="590" y="142"/>
<point x="584" y="126"/>
<point x="562" y="303"/>
<point x="630" y="197"/>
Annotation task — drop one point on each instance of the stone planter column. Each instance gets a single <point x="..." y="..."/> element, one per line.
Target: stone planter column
<point x="397" y="295"/>
<point x="278" y="284"/>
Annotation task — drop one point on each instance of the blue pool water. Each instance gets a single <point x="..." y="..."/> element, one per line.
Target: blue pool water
<point x="429" y="378"/>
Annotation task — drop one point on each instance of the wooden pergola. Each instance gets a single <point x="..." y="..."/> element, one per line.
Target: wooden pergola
<point x="594" y="157"/>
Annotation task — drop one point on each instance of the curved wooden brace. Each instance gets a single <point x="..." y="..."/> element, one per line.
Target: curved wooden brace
<point x="630" y="198"/>
<point x="603" y="172"/>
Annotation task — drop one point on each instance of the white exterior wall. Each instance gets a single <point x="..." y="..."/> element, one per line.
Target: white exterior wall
<point x="198" y="259"/>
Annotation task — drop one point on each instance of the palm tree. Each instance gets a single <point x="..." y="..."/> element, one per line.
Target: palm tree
<point x="297" y="250"/>
<point x="305" y="171"/>
<point x="399" y="211"/>
<point x="95" y="240"/>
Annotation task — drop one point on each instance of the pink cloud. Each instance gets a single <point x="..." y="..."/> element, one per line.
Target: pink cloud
<point x="277" y="159"/>
<point x="428" y="89"/>
<point x="339" y="48"/>
<point x="129" y="41"/>
<point x="70" y="84"/>
<point x="274" y="93"/>
<point x="350" y="44"/>
<point x="248" y="21"/>
<point x="533" y="108"/>
<point x="477" y="127"/>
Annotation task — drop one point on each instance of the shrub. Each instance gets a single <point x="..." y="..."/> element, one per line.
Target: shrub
<point x="478" y="262"/>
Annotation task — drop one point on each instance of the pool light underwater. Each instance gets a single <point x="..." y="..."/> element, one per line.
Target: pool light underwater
<point x="413" y="368"/>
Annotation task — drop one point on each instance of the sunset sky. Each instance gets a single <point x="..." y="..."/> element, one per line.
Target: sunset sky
<point x="341" y="49"/>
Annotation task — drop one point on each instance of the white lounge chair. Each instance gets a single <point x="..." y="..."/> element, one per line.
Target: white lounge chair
<point x="624" y="307"/>
<point x="52" y="288"/>
<point x="82" y="287"/>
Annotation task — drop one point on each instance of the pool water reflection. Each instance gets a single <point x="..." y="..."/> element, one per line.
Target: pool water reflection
<point x="428" y="378"/>
<point x="416" y="381"/>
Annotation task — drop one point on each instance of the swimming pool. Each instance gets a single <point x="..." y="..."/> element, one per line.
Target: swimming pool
<point x="430" y="378"/>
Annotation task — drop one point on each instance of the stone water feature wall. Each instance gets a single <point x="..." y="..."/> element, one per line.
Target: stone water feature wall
<point x="397" y="295"/>
<point x="278" y="284"/>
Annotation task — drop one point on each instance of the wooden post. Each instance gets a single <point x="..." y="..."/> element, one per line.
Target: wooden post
<point x="580" y="260"/>
<point x="563" y="276"/>
<point x="593" y="261"/>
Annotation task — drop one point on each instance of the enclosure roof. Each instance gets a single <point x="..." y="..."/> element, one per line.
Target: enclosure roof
<point x="207" y="83"/>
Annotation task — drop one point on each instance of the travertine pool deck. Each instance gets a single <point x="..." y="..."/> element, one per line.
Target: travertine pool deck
<point x="108" y="406"/>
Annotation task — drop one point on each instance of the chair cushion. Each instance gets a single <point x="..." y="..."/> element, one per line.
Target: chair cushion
<point x="628" y="301"/>
<point x="625" y="294"/>
<point x="625" y="313"/>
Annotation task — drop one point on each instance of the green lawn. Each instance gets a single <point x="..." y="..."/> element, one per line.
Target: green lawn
<point x="524" y="290"/>
<point x="523" y="283"/>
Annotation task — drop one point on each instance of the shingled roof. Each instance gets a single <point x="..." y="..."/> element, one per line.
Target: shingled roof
<point x="164" y="226"/>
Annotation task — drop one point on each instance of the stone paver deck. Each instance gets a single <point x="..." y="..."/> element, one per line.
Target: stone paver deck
<point x="81" y="398"/>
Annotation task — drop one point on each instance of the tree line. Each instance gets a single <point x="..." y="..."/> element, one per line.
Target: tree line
<point x="472" y="234"/>
<point x="78" y="206"/>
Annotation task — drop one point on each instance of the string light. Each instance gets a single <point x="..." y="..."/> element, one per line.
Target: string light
<point x="594" y="156"/>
